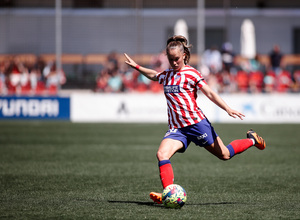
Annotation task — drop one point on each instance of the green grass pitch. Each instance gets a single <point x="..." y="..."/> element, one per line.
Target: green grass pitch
<point x="62" y="170"/>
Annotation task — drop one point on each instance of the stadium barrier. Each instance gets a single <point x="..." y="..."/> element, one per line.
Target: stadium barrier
<point x="41" y="108"/>
<point x="147" y="107"/>
<point x="260" y="108"/>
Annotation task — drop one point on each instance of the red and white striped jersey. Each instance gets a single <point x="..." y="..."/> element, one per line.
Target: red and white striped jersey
<point x="180" y="88"/>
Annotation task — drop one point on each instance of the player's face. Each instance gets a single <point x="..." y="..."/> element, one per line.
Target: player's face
<point x="176" y="58"/>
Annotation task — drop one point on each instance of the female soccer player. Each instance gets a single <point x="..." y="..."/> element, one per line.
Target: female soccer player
<point x="186" y="120"/>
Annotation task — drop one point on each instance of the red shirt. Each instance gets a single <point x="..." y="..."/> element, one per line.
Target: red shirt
<point x="180" y="89"/>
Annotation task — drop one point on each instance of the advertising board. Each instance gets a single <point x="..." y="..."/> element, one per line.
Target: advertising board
<point x="21" y="107"/>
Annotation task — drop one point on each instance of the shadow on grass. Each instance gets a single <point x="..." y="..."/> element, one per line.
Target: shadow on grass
<point x="215" y="203"/>
<point x="159" y="205"/>
<point x="135" y="202"/>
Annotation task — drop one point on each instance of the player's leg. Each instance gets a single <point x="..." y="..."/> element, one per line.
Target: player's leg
<point x="236" y="147"/>
<point x="219" y="149"/>
<point x="166" y="150"/>
<point x="226" y="152"/>
<point x="203" y="134"/>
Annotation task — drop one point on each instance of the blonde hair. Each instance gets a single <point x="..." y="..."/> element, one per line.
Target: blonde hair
<point x="180" y="42"/>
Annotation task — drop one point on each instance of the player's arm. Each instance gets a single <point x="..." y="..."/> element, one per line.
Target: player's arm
<point x="149" y="73"/>
<point x="215" y="98"/>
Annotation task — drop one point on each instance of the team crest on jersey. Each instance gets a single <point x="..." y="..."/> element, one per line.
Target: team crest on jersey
<point x="172" y="89"/>
<point x="177" y="78"/>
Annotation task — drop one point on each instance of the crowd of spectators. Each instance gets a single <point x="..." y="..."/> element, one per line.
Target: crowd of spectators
<point x="220" y="68"/>
<point x="225" y="75"/>
<point x="116" y="76"/>
<point x="29" y="78"/>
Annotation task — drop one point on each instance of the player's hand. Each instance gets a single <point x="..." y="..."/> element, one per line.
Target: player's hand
<point x="130" y="61"/>
<point x="234" y="114"/>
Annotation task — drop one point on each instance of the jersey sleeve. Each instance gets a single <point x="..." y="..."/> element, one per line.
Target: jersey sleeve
<point x="201" y="83"/>
<point x="160" y="76"/>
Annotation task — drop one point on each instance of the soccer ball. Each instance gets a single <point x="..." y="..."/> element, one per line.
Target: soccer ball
<point x="174" y="196"/>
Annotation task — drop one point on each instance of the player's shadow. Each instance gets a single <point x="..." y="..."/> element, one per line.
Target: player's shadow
<point x="188" y="204"/>
<point x="213" y="203"/>
<point x="134" y="202"/>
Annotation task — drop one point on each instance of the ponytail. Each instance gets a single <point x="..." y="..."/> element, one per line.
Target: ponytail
<point x="181" y="42"/>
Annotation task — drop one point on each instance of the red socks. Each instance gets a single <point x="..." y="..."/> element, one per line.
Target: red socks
<point x="238" y="146"/>
<point x="166" y="170"/>
<point x="166" y="173"/>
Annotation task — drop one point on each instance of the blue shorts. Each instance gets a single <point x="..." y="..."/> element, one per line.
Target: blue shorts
<point x="202" y="134"/>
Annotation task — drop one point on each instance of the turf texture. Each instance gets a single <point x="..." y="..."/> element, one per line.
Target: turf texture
<point x="63" y="170"/>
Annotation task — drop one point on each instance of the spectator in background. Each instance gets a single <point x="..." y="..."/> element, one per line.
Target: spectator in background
<point x="3" y="73"/>
<point x="269" y="82"/>
<point x="212" y="59"/>
<point x="112" y="61"/>
<point x="242" y="80"/>
<point x="256" y="80"/>
<point x="296" y="81"/>
<point x="114" y="83"/>
<point x="18" y="75"/>
<point x="275" y="59"/>
<point x="284" y="81"/>
<point x="110" y="77"/>
<point x="160" y="62"/>
<point x="130" y="78"/>
<point x="227" y="82"/>
<point x="102" y="81"/>
<point x="254" y="64"/>
<point x="227" y="56"/>
<point x="36" y="77"/>
<point x="53" y="77"/>
<point x="14" y="77"/>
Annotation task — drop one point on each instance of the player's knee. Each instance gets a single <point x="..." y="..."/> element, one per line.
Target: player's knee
<point x="161" y="155"/>
<point x="224" y="157"/>
<point x="225" y="154"/>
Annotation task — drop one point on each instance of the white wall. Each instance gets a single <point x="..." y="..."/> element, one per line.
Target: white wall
<point x="275" y="108"/>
